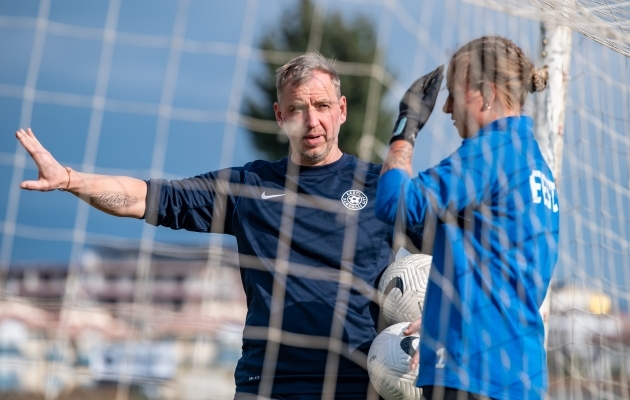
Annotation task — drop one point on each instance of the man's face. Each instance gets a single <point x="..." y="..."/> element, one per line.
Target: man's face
<point x="311" y="115"/>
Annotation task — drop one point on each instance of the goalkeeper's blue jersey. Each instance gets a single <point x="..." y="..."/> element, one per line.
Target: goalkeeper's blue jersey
<point x="494" y="208"/>
<point x="310" y="251"/>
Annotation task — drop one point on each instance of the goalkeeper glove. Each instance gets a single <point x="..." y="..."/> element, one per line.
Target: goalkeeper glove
<point x="416" y="106"/>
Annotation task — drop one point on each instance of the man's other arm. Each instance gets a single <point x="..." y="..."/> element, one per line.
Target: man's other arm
<point x="120" y="196"/>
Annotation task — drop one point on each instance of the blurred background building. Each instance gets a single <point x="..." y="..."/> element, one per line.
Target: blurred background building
<point x="186" y="347"/>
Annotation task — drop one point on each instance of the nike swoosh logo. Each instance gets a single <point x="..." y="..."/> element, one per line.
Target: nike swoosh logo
<point x="265" y="197"/>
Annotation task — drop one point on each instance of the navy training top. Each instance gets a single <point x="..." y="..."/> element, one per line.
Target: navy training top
<point x="495" y="209"/>
<point x="330" y="236"/>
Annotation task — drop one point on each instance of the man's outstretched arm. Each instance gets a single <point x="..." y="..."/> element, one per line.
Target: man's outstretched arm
<point x="121" y="196"/>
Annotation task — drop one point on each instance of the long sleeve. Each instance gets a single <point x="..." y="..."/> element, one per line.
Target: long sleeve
<point x="194" y="204"/>
<point x="440" y="192"/>
<point x="392" y="187"/>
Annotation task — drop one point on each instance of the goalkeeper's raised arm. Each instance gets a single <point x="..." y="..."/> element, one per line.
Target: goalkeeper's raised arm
<point x="121" y="196"/>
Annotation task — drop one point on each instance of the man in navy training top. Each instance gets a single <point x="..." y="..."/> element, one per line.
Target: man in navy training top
<point x="310" y="247"/>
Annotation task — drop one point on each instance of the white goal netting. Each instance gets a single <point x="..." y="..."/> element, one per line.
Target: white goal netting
<point x="156" y="90"/>
<point x="607" y="22"/>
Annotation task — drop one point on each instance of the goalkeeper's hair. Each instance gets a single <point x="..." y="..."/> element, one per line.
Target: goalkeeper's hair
<point x="301" y="68"/>
<point x="498" y="61"/>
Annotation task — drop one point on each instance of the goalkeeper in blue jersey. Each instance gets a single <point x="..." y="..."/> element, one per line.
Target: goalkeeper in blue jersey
<point x="494" y="207"/>
<point x="310" y="247"/>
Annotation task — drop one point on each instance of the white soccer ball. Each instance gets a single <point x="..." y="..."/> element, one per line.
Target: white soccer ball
<point x="402" y="288"/>
<point x="388" y="364"/>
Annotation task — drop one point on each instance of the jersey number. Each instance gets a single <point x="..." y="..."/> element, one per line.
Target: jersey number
<point x="440" y="355"/>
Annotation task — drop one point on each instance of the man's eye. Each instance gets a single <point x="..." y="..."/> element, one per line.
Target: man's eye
<point x="324" y="106"/>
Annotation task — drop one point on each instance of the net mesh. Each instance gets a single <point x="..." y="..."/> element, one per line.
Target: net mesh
<point x="138" y="81"/>
<point x="607" y="22"/>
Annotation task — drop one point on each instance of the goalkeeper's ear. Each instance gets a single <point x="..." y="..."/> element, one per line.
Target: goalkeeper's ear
<point x="488" y="93"/>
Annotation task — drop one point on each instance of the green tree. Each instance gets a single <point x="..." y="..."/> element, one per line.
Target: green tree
<point x="344" y="41"/>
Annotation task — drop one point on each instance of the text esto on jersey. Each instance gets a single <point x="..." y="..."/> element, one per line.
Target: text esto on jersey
<point x="543" y="190"/>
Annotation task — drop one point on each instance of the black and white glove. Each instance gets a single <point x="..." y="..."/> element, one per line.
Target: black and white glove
<point x="416" y="106"/>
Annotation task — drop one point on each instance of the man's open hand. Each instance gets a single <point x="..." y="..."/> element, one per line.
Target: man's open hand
<point x="52" y="175"/>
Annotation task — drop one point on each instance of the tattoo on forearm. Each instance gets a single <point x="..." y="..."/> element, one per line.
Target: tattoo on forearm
<point x="400" y="158"/>
<point x="112" y="200"/>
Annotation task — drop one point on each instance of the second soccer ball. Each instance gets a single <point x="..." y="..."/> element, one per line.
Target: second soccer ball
<point x="388" y="364"/>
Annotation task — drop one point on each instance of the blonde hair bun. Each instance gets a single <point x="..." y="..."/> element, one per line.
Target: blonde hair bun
<point x="539" y="79"/>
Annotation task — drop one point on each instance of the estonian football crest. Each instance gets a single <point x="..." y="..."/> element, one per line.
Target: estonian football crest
<point x="354" y="199"/>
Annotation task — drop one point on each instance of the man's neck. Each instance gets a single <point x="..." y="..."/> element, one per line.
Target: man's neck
<point x="333" y="156"/>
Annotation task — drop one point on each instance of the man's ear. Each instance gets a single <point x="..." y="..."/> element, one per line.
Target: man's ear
<point x="278" y="113"/>
<point x="343" y="108"/>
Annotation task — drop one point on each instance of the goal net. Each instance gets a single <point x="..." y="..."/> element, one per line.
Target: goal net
<point x="160" y="90"/>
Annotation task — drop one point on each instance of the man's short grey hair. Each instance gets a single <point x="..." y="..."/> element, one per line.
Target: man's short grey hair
<point x="301" y="68"/>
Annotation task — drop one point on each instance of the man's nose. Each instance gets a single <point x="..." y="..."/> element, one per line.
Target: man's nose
<point x="311" y="118"/>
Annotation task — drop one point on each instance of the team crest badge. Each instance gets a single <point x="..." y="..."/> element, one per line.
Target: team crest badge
<point x="354" y="199"/>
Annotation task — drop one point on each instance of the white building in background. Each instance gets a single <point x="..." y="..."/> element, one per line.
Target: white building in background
<point x="174" y="328"/>
<point x="588" y="338"/>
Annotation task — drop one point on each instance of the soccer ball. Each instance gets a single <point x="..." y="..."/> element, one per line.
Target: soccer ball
<point x="402" y="288"/>
<point x="388" y="364"/>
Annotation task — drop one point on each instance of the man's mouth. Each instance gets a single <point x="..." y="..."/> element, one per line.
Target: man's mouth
<point x="312" y="140"/>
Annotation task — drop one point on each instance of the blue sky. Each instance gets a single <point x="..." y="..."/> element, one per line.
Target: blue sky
<point x="64" y="64"/>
